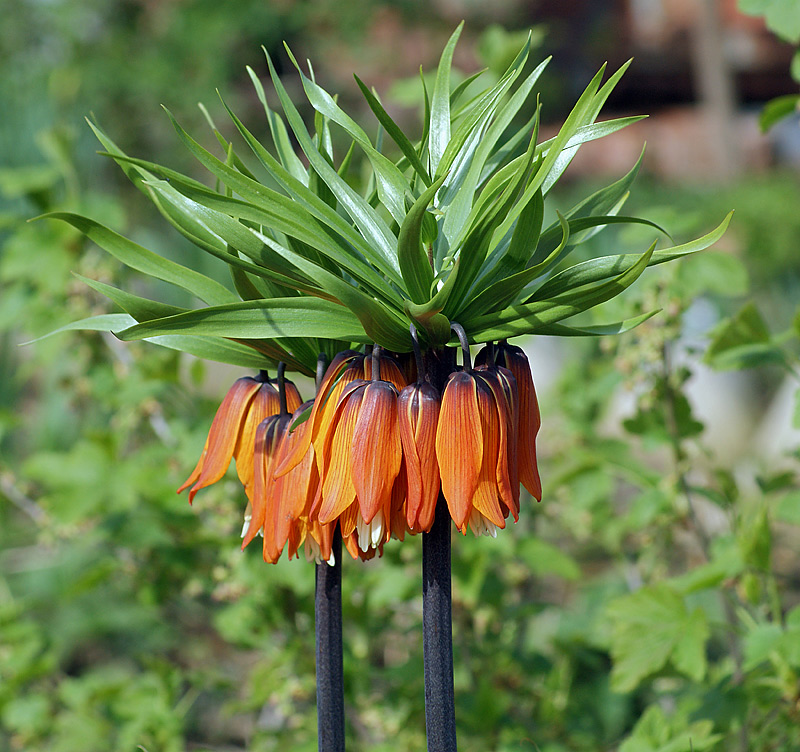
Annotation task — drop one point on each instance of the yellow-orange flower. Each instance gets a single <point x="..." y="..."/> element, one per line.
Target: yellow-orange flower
<point x="248" y="402"/>
<point x="514" y="359"/>
<point x="280" y="504"/>
<point x="418" y="419"/>
<point x="360" y="458"/>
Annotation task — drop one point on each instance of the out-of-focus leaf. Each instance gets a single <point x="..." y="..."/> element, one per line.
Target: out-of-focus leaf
<point x="545" y="558"/>
<point x="743" y="341"/>
<point x="777" y="109"/>
<point x="656" y="732"/>
<point x="788" y="508"/>
<point x="711" y="272"/>
<point x="781" y="16"/>
<point x="650" y="628"/>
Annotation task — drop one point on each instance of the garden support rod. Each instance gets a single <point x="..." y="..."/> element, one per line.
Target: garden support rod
<point x="330" y="673"/>
<point x="437" y="634"/>
<point x="328" y="628"/>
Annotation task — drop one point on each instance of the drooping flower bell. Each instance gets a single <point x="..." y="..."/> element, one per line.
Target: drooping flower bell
<point x="514" y="359"/>
<point x="280" y="505"/>
<point x="477" y="445"/>
<point x="418" y="418"/>
<point x="360" y="458"/>
<point x="233" y="431"/>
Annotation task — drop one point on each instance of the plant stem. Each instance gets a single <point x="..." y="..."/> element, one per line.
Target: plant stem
<point x="437" y="634"/>
<point x="330" y="673"/>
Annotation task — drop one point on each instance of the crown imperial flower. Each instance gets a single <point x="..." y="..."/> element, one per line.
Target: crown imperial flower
<point x="450" y="229"/>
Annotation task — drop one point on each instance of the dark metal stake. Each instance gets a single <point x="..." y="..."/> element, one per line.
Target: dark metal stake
<point x="437" y="634"/>
<point x="330" y="672"/>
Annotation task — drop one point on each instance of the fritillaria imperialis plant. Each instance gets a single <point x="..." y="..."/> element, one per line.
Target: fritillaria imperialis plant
<point x="447" y="243"/>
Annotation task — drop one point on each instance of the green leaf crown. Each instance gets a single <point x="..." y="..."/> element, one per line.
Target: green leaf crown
<point x="453" y="230"/>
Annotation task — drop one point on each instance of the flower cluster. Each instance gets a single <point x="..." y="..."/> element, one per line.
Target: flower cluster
<point x="373" y="451"/>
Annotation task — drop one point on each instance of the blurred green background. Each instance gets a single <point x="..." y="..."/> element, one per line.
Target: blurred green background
<point x="648" y="604"/>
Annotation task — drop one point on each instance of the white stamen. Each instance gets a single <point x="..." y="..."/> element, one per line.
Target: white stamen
<point x="481" y="525"/>
<point x="377" y="529"/>
<point x="370" y="535"/>
<point x="313" y="552"/>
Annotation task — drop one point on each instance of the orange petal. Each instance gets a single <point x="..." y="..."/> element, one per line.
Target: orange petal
<point x="351" y="378"/>
<point x="266" y="402"/>
<point x="529" y="419"/>
<point x="198" y="468"/>
<point x="293" y="399"/>
<point x="391" y="372"/>
<point x="395" y="514"/>
<point x="486" y="499"/>
<point x="375" y="451"/>
<point x="223" y="435"/>
<point x="459" y="445"/>
<point x="348" y="520"/>
<point x="338" y="491"/>
<point x="290" y="490"/>
<point x="509" y="384"/>
<point x="259" y="500"/>
<point x="418" y="418"/>
<point x="503" y="387"/>
<point x="320" y="540"/>
<point x="272" y="546"/>
<point x="337" y="368"/>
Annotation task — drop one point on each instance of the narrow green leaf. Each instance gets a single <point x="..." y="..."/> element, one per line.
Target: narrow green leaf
<point x="145" y="261"/>
<point x="280" y="137"/>
<point x="551" y="237"/>
<point x="391" y="184"/>
<point x="598" y="269"/>
<point x="503" y="292"/>
<point x="215" y="232"/>
<point x="414" y="263"/>
<point x="578" y="117"/>
<point x="395" y="132"/>
<point x="462" y="87"/>
<point x="524" y="238"/>
<point x="105" y="322"/>
<point x="600" y="330"/>
<point x="528" y="318"/>
<point x="439" y="130"/>
<point x="217" y="349"/>
<point x="267" y="319"/>
<point x="285" y="215"/>
<point x="342" y="256"/>
<point x="140" y="308"/>
<point x="380" y="241"/>
<point x="282" y="264"/>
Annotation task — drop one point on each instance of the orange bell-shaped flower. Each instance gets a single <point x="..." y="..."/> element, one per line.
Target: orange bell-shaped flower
<point x="248" y="402"/>
<point x="418" y="418"/>
<point x="360" y="459"/>
<point x="514" y="359"/>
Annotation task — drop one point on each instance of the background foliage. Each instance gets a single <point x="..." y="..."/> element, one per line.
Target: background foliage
<point x="651" y="603"/>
